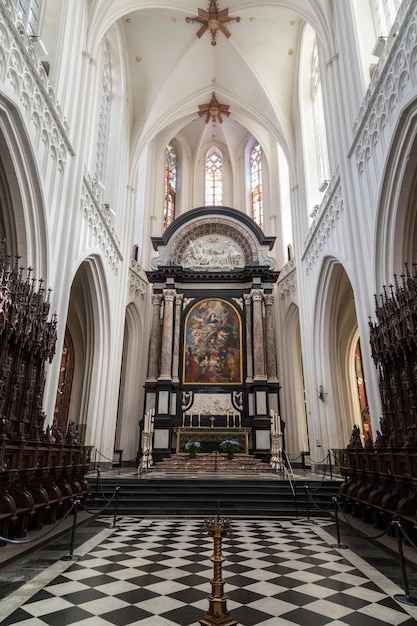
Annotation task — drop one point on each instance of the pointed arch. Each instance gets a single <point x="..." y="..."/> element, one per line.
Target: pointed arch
<point x="89" y="326"/>
<point x="131" y="395"/>
<point x="336" y="335"/>
<point x="396" y="224"/>
<point x="292" y="381"/>
<point x="22" y="215"/>
<point x="214" y="177"/>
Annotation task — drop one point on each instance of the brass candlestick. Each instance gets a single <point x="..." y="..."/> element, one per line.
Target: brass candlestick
<point x="217" y="614"/>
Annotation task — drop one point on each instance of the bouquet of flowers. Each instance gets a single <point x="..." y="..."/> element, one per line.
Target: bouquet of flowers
<point x="192" y="446"/>
<point x="230" y="446"/>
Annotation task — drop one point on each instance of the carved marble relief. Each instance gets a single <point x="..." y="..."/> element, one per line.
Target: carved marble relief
<point x="213" y="252"/>
<point x="213" y="404"/>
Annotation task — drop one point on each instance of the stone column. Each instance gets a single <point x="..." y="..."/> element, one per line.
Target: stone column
<point x="248" y="316"/>
<point x="167" y="332"/>
<point x="270" y="339"/>
<point x="175" y="359"/>
<point x="155" y="342"/>
<point x="258" y="336"/>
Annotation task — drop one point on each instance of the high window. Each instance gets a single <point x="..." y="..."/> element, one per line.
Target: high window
<point x="28" y="12"/>
<point x="170" y="185"/>
<point x="104" y="117"/>
<point x="214" y="178"/>
<point x="318" y="117"/>
<point x="386" y="11"/>
<point x="256" y="184"/>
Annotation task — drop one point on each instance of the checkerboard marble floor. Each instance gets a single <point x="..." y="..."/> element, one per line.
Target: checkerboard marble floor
<point x="157" y="572"/>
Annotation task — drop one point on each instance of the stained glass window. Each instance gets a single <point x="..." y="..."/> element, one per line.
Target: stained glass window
<point x="386" y="11"/>
<point x="318" y="117"/>
<point x="103" y="121"/>
<point x="170" y="185"/>
<point x="256" y="184"/>
<point x="28" y="12"/>
<point x="214" y="179"/>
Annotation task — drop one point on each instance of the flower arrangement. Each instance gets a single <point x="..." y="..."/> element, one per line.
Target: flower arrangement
<point x="192" y="446"/>
<point x="230" y="446"/>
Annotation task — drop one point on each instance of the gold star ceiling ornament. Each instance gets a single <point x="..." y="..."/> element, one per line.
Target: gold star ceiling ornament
<point x="213" y="110"/>
<point x="213" y="20"/>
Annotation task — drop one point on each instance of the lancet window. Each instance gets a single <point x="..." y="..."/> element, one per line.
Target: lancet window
<point x="170" y="185"/>
<point x="256" y="184"/>
<point x="385" y="11"/>
<point x="28" y="12"/>
<point x="214" y="179"/>
<point x="104" y="116"/>
<point x="318" y="117"/>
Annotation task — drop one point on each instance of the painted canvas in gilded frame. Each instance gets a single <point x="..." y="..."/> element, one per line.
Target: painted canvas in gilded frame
<point x="213" y="344"/>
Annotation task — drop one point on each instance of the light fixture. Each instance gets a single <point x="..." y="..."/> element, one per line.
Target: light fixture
<point x="321" y="393"/>
<point x="324" y="185"/>
<point x="213" y="20"/>
<point x="213" y="110"/>
<point x="379" y="46"/>
<point x="314" y="210"/>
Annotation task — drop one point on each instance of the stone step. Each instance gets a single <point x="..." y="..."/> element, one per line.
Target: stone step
<point x="252" y="496"/>
<point x="208" y="463"/>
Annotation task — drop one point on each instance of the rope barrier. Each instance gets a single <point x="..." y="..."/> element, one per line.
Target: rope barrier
<point x="45" y="534"/>
<point x="72" y="508"/>
<point x="407" y="538"/>
<point x="359" y="532"/>
<point x="106" y="506"/>
<point x="103" y="456"/>
<point x="310" y="497"/>
<point x="406" y="598"/>
<point x="318" y="462"/>
<point x="320" y="483"/>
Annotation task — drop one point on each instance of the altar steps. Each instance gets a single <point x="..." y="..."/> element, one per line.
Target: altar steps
<point x="212" y="463"/>
<point x="234" y="497"/>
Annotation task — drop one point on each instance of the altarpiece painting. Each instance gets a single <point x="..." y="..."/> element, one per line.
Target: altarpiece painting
<point x="212" y="344"/>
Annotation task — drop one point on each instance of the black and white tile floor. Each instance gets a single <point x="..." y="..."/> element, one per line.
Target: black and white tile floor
<point x="157" y="572"/>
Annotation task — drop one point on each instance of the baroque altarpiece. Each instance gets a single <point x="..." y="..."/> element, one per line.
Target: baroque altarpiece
<point x="212" y="367"/>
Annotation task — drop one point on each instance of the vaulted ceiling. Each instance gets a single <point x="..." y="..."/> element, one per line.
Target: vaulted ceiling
<point x="172" y="71"/>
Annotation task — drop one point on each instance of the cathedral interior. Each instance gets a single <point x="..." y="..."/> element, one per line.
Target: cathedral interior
<point x="208" y="235"/>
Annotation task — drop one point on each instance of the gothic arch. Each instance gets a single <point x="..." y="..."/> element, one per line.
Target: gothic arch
<point x="89" y="326"/>
<point x="22" y="219"/>
<point x="130" y="407"/>
<point x="336" y="332"/>
<point x="396" y="234"/>
<point x="292" y="384"/>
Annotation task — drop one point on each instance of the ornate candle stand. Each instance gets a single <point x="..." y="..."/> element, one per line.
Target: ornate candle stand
<point x="217" y="614"/>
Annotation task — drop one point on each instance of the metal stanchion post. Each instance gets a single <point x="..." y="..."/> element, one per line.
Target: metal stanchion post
<point x="405" y="599"/>
<point x="71" y="556"/>
<point x="116" y="498"/>
<point x="309" y="521"/>
<point x="330" y="465"/>
<point x="307" y="503"/>
<point x="336" y="517"/>
<point x="97" y="481"/>
<point x="295" y="502"/>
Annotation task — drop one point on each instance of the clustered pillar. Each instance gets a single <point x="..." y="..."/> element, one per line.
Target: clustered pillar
<point x="155" y="342"/>
<point x="167" y="334"/>
<point x="258" y="336"/>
